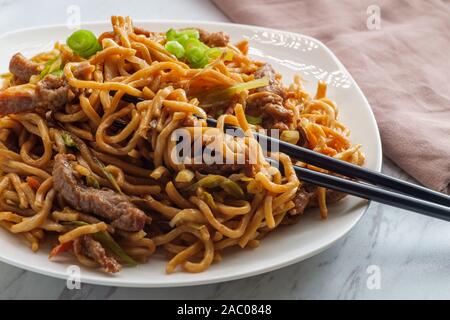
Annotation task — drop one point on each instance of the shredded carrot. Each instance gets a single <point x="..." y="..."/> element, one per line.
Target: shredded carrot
<point x="33" y="183"/>
<point x="63" y="247"/>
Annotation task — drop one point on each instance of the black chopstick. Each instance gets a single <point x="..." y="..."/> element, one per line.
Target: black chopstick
<point x="370" y="192"/>
<point x="414" y="197"/>
<point x="348" y="169"/>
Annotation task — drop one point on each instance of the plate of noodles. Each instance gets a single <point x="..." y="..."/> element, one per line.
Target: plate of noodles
<point x="92" y="176"/>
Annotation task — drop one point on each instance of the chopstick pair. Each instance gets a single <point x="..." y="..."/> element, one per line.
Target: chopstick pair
<point x="372" y="185"/>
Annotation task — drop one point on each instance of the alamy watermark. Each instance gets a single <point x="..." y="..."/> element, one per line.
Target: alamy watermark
<point x="73" y="281"/>
<point x="373" y="21"/>
<point x="73" y="21"/>
<point x="373" y="281"/>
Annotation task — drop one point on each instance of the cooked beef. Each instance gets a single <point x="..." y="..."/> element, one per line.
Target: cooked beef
<point x="303" y="142"/>
<point x="214" y="39"/>
<point x="90" y="248"/>
<point x="48" y="94"/>
<point x="268" y="101"/>
<point x="22" y="68"/>
<point x="301" y="200"/>
<point x="104" y="203"/>
<point x="261" y="99"/>
<point x="333" y="196"/>
<point x="281" y="126"/>
<point x="277" y="111"/>
<point x="51" y="93"/>
<point x="275" y="85"/>
<point x="83" y="71"/>
<point x="17" y="99"/>
<point x="269" y="105"/>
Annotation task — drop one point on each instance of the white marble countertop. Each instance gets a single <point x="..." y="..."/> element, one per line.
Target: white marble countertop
<point x="409" y="250"/>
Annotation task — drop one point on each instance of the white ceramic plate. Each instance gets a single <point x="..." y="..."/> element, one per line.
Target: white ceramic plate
<point x="289" y="53"/>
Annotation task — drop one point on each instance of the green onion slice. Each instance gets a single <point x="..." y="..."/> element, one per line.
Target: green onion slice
<point x="175" y="48"/>
<point x="191" y="33"/>
<point x="107" y="241"/>
<point x="186" y="44"/>
<point x="171" y="34"/>
<point x="226" y="93"/>
<point x="84" y="43"/>
<point x="108" y="175"/>
<point x="68" y="140"/>
<point x="253" y="120"/>
<point x="195" y="55"/>
<point x="214" y="181"/>
<point x="51" y="67"/>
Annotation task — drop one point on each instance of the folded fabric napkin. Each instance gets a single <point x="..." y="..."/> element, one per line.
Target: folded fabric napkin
<point x="401" y="62"/>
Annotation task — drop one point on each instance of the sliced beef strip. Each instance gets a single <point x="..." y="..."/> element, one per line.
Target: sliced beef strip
<point x="22" y="68"/>
<point x="104" y="203"/>
<point x="268" y="101"/>
<point x="301" y="200"/>
<point x="90" y="248"/>
<point x="278" y="112"/>
<point x="333" y="196"/>
<point x="17" y="99"/>
<point x="280" y="126"/>
<point x="214" y="39"/>
<point x="274" y="85"/>
<point x="269" y="105"/>
<point x="306" y="197"/>
<point x="51" y="93"/>
<point x="83" y="71"/>
<point x="303" y="142"/>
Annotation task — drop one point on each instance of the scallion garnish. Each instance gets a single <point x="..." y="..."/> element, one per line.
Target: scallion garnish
<point x="51" y="66"/>
<point x="68" y="140"/>
<point x="84" y="43"/>
<point x="185" y="44"/>
<point x="253" y="120"/>
<point x="175" y="48"/>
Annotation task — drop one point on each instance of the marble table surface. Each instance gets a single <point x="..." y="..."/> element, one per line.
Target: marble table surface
<point x="406" y="252"/>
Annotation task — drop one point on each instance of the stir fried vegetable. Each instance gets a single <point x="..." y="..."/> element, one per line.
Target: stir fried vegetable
<point x="58" y="73"/>
<point x="223" y="94"/>
<point x="52" y="66"/>
<point x="33" y="183"/>
<point x="108" y="242"/>
<point x="209" y="199"/>
<point x="184" y="176"/>
<point x="108" y="175"/>
<point x="215" y="181"/>
<point x="185" y="44"/>
<point x="68" y="140"/>
<point x="84" y="43"/>
<point x="175" y="48"/>
<point x="92" y="182"/>
<point x="63" y="247"/>
<point x="253" y="120"/>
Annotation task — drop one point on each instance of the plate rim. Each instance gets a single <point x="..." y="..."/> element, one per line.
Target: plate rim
<point x="115" y="282"/>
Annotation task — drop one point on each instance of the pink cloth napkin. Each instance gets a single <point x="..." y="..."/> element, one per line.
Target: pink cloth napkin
<point x="403" y="67"/>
